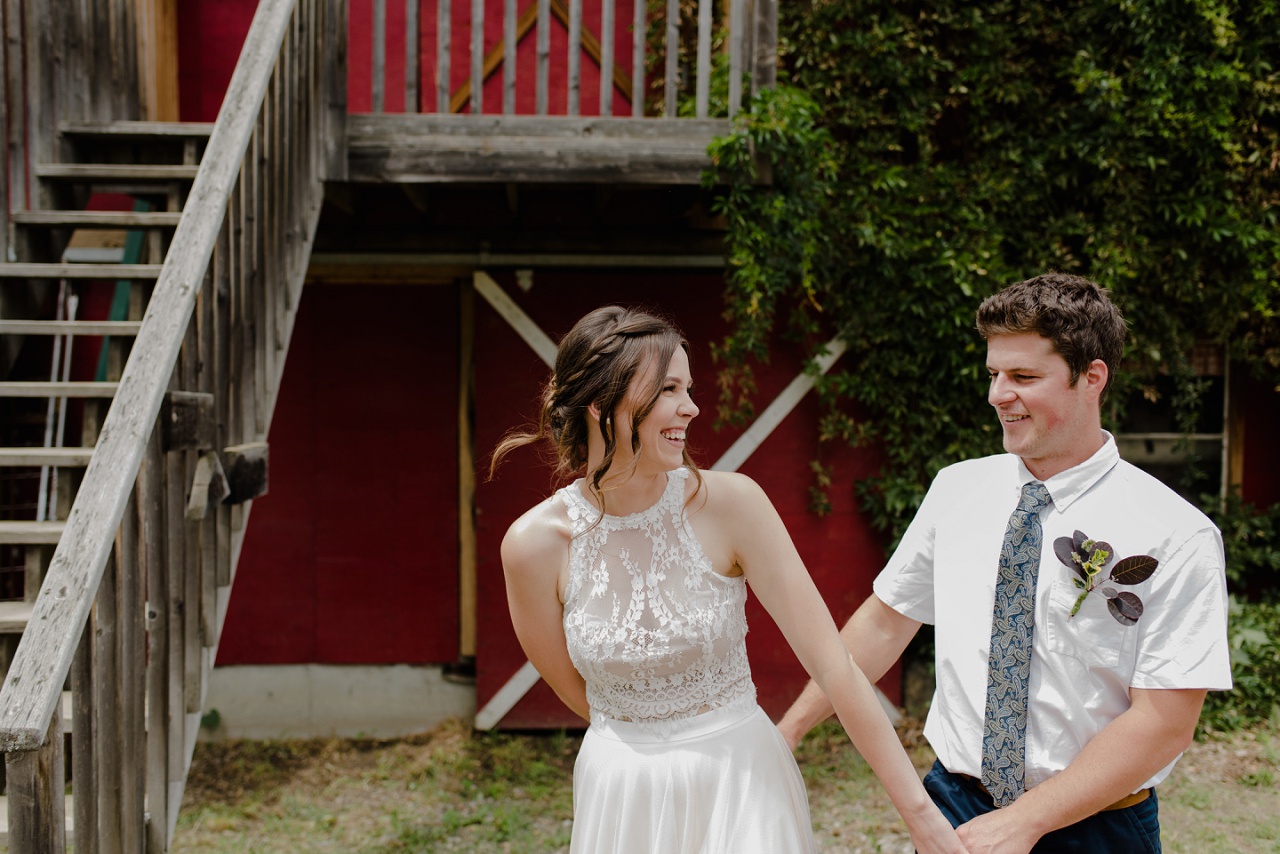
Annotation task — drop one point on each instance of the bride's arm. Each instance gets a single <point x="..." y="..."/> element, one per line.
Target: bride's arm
<point x="535" y="551"/>
<point x="763" y="549"/>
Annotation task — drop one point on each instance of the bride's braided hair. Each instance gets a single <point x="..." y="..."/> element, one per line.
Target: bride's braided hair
<point x="595" y="363"/>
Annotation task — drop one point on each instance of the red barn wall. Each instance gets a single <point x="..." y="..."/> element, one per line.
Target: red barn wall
<point x="210" y="35"/>
<point x="352" y="556"/>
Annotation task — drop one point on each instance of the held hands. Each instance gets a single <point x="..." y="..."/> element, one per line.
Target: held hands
<point x="997" y="832"/>
<point x="931" y="833"/>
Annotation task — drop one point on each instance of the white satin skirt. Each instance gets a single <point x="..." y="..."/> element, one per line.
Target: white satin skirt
<point x="720" y="783"/>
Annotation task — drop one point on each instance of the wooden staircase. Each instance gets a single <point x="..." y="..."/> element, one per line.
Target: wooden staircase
<point x="130" y="147"/>
<point x="127" y="567"/>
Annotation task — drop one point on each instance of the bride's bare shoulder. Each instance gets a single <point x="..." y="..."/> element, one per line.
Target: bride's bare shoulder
<point x="724" y="493"/>
<point x="541" y="531"/>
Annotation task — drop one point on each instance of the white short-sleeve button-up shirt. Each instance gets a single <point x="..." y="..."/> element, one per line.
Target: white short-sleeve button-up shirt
<point x="1082" y="667"/>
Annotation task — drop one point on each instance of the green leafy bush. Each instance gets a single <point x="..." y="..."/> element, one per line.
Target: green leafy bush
<point x="1255" y="668"/>
<point x="1251" y="537"/>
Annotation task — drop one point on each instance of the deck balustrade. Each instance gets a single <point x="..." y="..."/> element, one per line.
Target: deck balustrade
<point x="666" y="59"/>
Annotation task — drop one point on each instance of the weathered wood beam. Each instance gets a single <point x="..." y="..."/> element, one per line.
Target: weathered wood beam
<point x="435" y="148"/>
<point x="36" y="785"/>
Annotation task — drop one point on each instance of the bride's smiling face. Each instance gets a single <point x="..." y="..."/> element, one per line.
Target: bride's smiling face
<point x="663" y="432"/>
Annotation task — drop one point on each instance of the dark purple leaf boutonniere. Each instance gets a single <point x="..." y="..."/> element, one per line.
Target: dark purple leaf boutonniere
<point x="1089" y="558"/>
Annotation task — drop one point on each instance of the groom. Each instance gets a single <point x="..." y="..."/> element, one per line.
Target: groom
<point x="1079" y="605"/>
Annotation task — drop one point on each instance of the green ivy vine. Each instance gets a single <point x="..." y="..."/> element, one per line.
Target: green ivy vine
<point x="917" y="156"/>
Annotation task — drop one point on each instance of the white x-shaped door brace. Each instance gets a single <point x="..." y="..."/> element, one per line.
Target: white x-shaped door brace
<point x="527" y="676"/>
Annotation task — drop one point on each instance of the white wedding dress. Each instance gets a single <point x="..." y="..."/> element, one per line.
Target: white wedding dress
<point x="679" y="758"/>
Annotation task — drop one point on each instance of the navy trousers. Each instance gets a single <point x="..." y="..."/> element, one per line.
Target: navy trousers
<point x="1134" y="830"/>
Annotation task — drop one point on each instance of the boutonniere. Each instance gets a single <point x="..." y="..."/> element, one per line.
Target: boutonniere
<point x="1088" y="558"/>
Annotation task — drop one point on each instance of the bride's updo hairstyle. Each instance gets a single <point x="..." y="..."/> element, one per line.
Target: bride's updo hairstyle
<point x="595" y="363"/>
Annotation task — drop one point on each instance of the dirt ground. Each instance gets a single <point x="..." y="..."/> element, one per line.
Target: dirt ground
<point x="512" y="794"/>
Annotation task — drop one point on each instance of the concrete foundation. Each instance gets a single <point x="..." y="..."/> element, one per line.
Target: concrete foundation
<point x="316" y="701"/>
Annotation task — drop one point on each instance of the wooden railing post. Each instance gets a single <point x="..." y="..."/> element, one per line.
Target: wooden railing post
<point x="36" y="787"/>
<point x="334" y="79"/>
<point x="764" y="59"/>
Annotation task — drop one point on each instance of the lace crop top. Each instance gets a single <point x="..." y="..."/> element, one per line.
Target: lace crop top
<point x="657" y="634"/>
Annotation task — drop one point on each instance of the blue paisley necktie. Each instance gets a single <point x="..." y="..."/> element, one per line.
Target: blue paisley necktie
<point x="1004" y="733"/>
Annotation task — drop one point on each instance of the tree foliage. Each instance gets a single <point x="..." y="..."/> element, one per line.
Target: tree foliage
<point x="918" y="156"/>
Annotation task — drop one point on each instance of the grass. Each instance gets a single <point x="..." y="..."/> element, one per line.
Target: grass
<point x="454" y="790"/>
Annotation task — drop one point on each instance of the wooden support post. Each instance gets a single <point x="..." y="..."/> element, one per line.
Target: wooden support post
<point x="83" y="744"/>
<point x="157" y="36"/>
<point x="764" y="60"/>
<point x="509" y="42"/>
<point x="106" y="708"/>
<point x="151" y="505"/>
<point x="672" y="43"/>
<point x="444" y="26"/>
<point x="192" y="638"/>
<point x="467" y="588"/>
<point x="575" y="56"/>
<point x="638" y="42"/>
<point x="702" y="86"/>
<point x="379" y="53"/>
<point x="6" y="116"/>
<point x="36" y="785"/>
<point x="606" y="58"/>
<point x="543" y="51"/>
<point x="334" y="135"/>
<point x="477" y="57"/>
<point x="131" y="655"/>
<point x="412" y="66"/>
<point x="737" y="11"/>
<point x="172" y="705"/>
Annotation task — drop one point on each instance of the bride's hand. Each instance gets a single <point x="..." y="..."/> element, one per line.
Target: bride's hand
<point x="933" y="834"/>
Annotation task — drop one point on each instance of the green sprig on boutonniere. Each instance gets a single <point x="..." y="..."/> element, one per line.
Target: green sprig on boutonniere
<point x="1089" y="558"/>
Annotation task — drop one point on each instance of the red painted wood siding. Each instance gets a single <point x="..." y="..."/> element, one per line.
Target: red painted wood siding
<point x="352" y="556"/>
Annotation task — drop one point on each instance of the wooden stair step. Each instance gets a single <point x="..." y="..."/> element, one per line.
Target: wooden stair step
<point x="98" y="219"/>
<point x="45" y="388"/>
<point x="31" y="533"/>
<point x="115" y="172"/>
<point x="138" y="130"/>
<point x="32" y="457"/>
<point x="126" y="328"/>
<point x="14" y="617"/>
<point x="80" y="271"/>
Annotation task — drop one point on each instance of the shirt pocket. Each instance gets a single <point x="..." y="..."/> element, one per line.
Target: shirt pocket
<point x="1092" y="636"/>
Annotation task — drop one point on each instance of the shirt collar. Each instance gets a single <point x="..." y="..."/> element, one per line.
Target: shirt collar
<point x="1065" y="487"/>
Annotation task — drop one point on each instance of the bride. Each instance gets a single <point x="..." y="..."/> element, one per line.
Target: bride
<point x="627" y="591"/>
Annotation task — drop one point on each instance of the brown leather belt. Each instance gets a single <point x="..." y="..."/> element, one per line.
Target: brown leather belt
<point x="1122" y="804"/>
